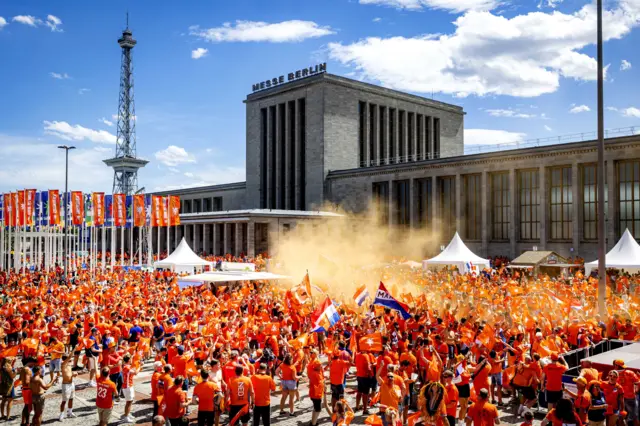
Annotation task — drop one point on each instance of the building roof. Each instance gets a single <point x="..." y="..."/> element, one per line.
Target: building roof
<point x="243" y="215"/>
<point x="353" y="84"/>
<point x="535" y="257"/>
<point x="208" y="188"/>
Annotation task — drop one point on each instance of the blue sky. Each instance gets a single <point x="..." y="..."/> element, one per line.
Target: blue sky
<point x="521" y="70"/>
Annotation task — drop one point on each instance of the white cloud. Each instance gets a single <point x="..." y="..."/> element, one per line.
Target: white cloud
<point x="23" y="159"/>
<point x="508" y="113"/>
<point x="579" y="108"/>
<point x="625" y="65"/>
<point x="630" y="112"/>
<point x="215" y="175"/>
<point x="489" y="54"/>
<point x="199" y="53"/>
<point x="53" y="22"/>
<point x="59" y="76"/>
<point x="66" y="131"/>
<point x="491" y="137"/>
<point x="173" y="156"/>
<point x="376" y="19"/>
<point x="451" y="5"/>
<point x="83" y="91"/>
<point x="32" y="21"/>
<point x="547" y="128"/>
<point x="3" y="22"/>
<point x="188" y="174"/>
<point x="105" y="121"/>
<point x="247" y="31"/>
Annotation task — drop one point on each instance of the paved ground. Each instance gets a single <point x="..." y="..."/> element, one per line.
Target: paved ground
<point x="84" y="407"/>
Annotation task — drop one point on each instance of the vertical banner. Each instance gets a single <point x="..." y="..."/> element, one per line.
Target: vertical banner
<point x="108" y="209"/>
<point x="139" y="210"/>
<point x="43" y="208"/>
<point x="157" y="211"/>
<point x="88" y="209"/>
<point x="129" y="211"/>
<point x="119" y="209"/>
<point x="54" y="207"/>
<point x="30" y="204"/>
<point x="20" y="208"/>
<point x="98" y="208"/>
<point x="174" y="210"/>
<point x="14" y="209"/>
<point x="8" y="210"/>
<point x="77" y="208"/>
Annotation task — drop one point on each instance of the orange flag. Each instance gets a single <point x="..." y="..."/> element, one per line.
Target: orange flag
<point x="174" y="210"/>
<point x="54" y="207"/>
<point x="414" y="419"/>
<point x="272" y="329"/>
<point x="119" y="209"/>
<point x="157" y="211"/>
<point x="30" y="204"/>
<point x="77" y="208"/>
<point x="9" y="210"/>
<point x="300" y="342"/>
<point x="98" y="208"/>
<point x="371" y="342"/>
<point x="12" y="351"/>
<point x="487" y="337"/>
<point x="20" y="208"/>
<point x="374" y="420"/>
<point x="139" y="210"/>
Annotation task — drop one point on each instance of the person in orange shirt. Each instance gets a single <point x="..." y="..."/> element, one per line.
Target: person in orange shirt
<point x="482" y="413"/>
<point x="523" y="380"/>
<point x="581" y="399"/>
<point x="157" y="366"/>
<point x="263" y="385"/>
<point x="562" y="415"/>
<point x="629" y="381"/>
<point x="179" y="364"/>
<point x="206" y="393"/>
<point x="56" y="349"/>
<point x="176" y="403"/>
<point x="552" y="379"/>
<point x="390" y="392"/>
<point x="338" y="369"/>
<point x="497" y="364"/>
<point x="481" y="374"/>
<point x="288" y="380"/>
<point x="613" y="396"/>
<point x="451" y="399"/>
<point x="240" y="393"/>
<point x="165" y="381"/>
<point x="364" y="375"/>
<point x="106" y="390"/>
<point x="315" y="372"/>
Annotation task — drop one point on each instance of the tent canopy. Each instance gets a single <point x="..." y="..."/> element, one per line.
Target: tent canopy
<point x="182" y="258"/>
<point x="457" y="253"/>
<point x="624" y="255"/>
<point x="227" y="276"/>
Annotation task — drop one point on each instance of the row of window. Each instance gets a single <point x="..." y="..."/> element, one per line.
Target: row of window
<point x="501" y="199"/>
<point x="201" y="205"/>
<point x="382" y="132"/>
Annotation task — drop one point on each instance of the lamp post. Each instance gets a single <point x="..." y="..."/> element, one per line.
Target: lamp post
<point x="602" y="273"/>
<point x="65" y="243"/>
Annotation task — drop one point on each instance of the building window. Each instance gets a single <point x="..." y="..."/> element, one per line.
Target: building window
<point x="196" y="206"/>
<point x="529" y="201"/>
<point x="423" y="197"/>
<point x="401" y="146"/>
<point x="380" y="195"/>
<point x="629" y="187"/>
<point x="272" y="157"/>
<point x="411" y="133"/>
<point x="500" y="203"/>
<point x="590" y="201"/>
<point x="187" y="206"/>
<point x="282" y="157"/>
<point x="392" y="135"/>
<point x="291" y="170"/>
<point x="401" y="209"/>
<point x="382" y="139"/>
<point x="302" y="136"/>
<point x="436" y="138"/>
<point x="473" y="208"/>
<point x="372" y="134"/>
<point x="428" y="137"/>
<point x="419" y="138"/>
<point x="206" y="205"/>
<point x="264" y="149"/>
<point x="362" y="110"/>
<point x="447" y="206"/>
<point x="217" y="204"/>
<point x="561" y="204"/>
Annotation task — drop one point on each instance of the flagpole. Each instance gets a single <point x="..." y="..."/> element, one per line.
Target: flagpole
<point x="122" y="241"/>
<point x="103" y="242"/>
<point x="113" y="245"/>
<point x="140" y="228"/>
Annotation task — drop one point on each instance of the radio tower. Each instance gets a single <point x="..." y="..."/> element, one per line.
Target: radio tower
<point x="125" y="165"/>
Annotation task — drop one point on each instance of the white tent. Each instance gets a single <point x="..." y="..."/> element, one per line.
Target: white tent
<point x="217" y="277"/>
<point x="625" y="255"/>
<point x="458" y="254"/>
<point x="183" y="259"/>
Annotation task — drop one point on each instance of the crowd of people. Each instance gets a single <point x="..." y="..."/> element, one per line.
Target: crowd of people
<point x="468" y="345"/>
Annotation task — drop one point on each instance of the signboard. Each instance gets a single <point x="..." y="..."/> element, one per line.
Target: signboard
<point x="292" y="76"/>
<point x="552" y="259"/>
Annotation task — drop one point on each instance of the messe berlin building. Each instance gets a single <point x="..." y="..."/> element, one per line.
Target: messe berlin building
<point x="316" y="140"/>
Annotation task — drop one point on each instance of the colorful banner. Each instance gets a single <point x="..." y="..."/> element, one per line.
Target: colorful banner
<point x="20" y="208"/>
<point x="9" y="210"/>
<point x="139" y="210"/>
<point x="98" y="208"/>
<point x="30" y="206"/>
<point x="88" y="209"/>
<point x="174" y="210"/>
<point x="119" y="209"/>
<point x="2" y="215"/>
<point x="54" y="207"/>
<point x="157" y="211"/>
<point x="108" y="210"/>
<point x="77" y="208"/>
<point x="42" y="208"/>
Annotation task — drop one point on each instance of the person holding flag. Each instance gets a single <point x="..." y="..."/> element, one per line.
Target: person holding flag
<point x="384" y="298"/>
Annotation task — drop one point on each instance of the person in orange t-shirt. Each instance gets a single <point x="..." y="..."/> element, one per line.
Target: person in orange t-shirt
<point x="288" y="380"/>
<point x="240" y="392"/>
<point x="157" y="366"/>
<point x="208" y="393"/>
<point x="263" y="385"/>
<point x="613" y="396"/>
<point x="338" y="369"/>
<point x="105" y="390"/>
<point x="552" y="379"/>
<point x="451" y="399"/>
<point x="364" y="376"/>
<point x="175" y="401"/>
<point x="482" y="413"/>
<point x="315" y="372"/>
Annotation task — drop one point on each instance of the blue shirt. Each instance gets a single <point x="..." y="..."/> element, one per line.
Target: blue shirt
<point x="135" y="333"/>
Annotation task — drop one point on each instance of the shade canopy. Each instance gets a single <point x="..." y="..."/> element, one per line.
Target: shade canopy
<point x="183" y="259"/>
<point x="217" y="277"/>
<point x="624" y="255"/>
<point x="458" y="254"/>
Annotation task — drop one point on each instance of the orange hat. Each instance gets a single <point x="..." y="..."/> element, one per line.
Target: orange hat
<point x="619" y="363"/>
<point x="580" y="381"/>
<point x="554" y="356"/>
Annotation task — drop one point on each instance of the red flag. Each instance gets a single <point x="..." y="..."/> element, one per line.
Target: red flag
<point x="30" y="205"/>
<point x="20" y="208"/>
<point x="158" y="217"/>
<point x="119" y="209"/>
<point x="174" y="210"/>
<point x="98" y="208"/>
<point x="9" y="210"/>
<point x="77" y="208"/>
<point x="139" y="216"/>
<point x="54" y="207"/>
<point x="371" y="342"/>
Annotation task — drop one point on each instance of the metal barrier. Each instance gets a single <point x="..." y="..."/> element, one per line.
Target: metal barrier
<point x="574" y="357"/>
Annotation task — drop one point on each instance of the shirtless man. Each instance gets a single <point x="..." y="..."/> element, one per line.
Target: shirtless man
<point x="68" y="387"/>
<point x="38" y="388"/>
<point x="25" y="378"/>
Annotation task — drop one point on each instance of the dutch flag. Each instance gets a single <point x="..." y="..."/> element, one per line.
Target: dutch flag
<point x="361" y="295"/>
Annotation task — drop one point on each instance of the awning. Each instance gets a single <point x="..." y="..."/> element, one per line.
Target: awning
<point x="227" y="276"/>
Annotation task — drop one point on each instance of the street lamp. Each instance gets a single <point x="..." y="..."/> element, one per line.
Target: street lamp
<point x="66" y="190"/>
